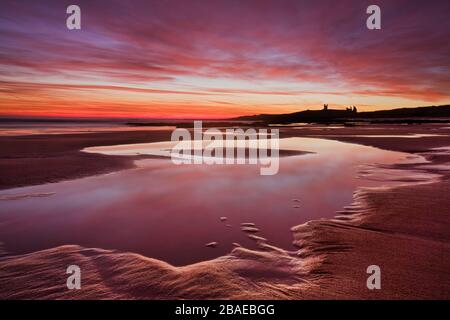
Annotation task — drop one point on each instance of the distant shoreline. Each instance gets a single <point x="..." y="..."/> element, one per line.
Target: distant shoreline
<point x="441" y="111"/>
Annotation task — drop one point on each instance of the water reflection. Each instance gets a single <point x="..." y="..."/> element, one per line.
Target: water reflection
<point x="171" y="212"/>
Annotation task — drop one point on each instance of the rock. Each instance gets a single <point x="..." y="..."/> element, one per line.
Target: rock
<point x="250" y="229"/>
<point x="257" y="238"/>
<point x="247" y="224"/>
<point x="212" y="244"/>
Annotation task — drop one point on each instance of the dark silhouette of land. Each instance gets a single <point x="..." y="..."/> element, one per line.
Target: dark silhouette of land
<point x="349" y="116"/>
<point x="326" y="115"/>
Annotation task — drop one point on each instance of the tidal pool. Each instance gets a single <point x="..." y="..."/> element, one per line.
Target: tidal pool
<point x="170" y="212"/>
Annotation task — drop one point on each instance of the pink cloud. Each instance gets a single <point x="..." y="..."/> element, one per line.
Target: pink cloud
<point x="144" y="42"/>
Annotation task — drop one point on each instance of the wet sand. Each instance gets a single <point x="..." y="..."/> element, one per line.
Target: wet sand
<point x="404" y="230"/>
<point x="37" y="159"/>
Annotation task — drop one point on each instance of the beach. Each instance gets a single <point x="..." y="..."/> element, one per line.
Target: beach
<point x="251" y="150"/>
<point x="402" y="229"/>
<point x="28" y="154"/>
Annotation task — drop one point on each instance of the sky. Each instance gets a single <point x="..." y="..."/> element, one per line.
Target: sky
<point x="218" y="59"/>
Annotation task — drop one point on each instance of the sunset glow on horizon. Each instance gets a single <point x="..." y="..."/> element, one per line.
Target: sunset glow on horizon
<point x="220" y="59"/>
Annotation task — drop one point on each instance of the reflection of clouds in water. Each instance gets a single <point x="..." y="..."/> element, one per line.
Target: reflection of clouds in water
<point x="179" y="207"/>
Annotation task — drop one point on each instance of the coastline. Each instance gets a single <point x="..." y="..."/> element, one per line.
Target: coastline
<point x="404" y="230"/>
